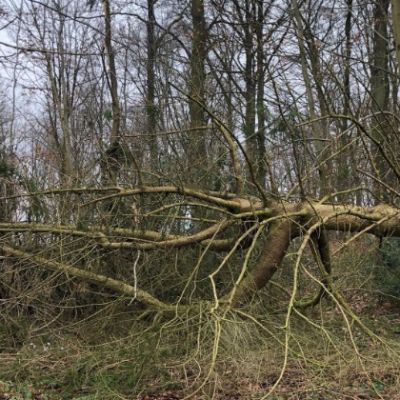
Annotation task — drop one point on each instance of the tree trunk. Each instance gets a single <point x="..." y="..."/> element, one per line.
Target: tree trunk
<point x="197" y="143"/>
<point x="112" y="74"/>
<point x="114" y="156"/>
<point x="274" y="250"/>
<point x="261" y="170"/>
<point x="319" y="127"/>
<point x="250" y="83"/>
<point x="380" y="92"/>
<point x="396" y="26"/>
<point x="151" y="109"/>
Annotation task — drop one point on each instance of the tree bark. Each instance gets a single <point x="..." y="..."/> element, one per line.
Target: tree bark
<point x="151" y="108"/>
<point x="112" y="74"/>
<point x="261" y="170"/>
<point x="380" y="93"/>
<point x="396" y="26"/>
<point x="274" y="250"/>
<point x="197" y="143"/>
<point x="319" y="127"/>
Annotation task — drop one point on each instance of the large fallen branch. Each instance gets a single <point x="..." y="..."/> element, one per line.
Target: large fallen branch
<point x="133" y="239"/>
<point x="106" y="282"/>
<point x="284" y="220"/>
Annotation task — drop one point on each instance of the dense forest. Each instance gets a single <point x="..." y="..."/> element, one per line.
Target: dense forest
<point x="199" y="199"/>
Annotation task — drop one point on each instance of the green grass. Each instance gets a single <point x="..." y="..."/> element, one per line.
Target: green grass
<point x="157" y="358"/>
<point x="113" y="354"/>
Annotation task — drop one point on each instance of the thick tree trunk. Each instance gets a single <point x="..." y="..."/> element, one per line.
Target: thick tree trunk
<point x="288" y="220"/>
<point x="274" y="250"/>
<point x="382" y="220"/>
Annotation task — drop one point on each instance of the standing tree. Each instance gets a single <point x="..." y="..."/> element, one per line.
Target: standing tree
<point x="197" y="154"/>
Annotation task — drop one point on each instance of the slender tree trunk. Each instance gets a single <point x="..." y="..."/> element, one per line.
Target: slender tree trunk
<point x="197" y="143"/>
<point x="151" y="109"/>
<point x="60" y="110"/>
<point x="62" y="106"/>
<point x="65" y="116"/>
<point x="380" y="89"/>
<point x="396" y="26"/>
<point x="345" y="165"/>
<point x="250" y="83"/>
<point x="261" y="171"/>
<point x="318" y="127"/>
<point x="112" y="74"/>
<point x="114" y="156"/>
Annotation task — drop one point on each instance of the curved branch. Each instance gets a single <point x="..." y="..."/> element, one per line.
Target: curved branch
<point x="274" y="250"/>
<point x="154" y="240"/>
<point x="110" y="283"/>
<point x="172" y="243"/>
<point x="320" y="248"/>
<point x="205" y="196"/>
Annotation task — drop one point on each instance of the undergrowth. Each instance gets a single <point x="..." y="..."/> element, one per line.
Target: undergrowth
<point x="321" y="353"/>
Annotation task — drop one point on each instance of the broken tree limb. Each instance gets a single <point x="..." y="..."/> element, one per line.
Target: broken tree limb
<point x="106" y="282"/>
<point x="274" y="250"/>
<point x="284" y="220"/>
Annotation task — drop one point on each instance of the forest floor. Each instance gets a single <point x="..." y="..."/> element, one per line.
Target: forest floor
<point x="324" y="354"/>
<point x="53" y="366"/>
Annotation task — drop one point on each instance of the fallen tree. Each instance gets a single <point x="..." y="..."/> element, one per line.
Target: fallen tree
<point x="246" y="218"/>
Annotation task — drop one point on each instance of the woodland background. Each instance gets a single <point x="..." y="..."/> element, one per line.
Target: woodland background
<point x="199" y="198"/>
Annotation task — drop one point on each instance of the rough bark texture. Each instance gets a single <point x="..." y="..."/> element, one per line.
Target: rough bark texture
<point x="197" y="144"/>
